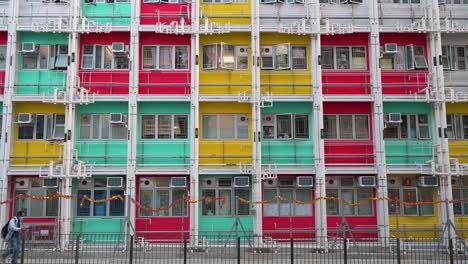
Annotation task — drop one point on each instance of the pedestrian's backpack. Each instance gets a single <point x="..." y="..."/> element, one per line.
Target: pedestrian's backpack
<point x="5" y="231"/>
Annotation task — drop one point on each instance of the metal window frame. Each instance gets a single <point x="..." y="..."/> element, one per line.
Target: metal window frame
<point x="92" y="188"/>
<point x="28" y="201"/>
<point x="218" y="127"/>
<point x="291" y="203"/>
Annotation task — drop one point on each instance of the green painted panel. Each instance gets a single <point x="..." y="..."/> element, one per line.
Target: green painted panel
<point x="114" y="13"/>
<point x="164" y="108"/>
<point x="409" y="151"/>
<point x="100" y="152"/>
<point x="99" y="225"/>
<point x="44" y="38"/>
<point x="291" y="152"/>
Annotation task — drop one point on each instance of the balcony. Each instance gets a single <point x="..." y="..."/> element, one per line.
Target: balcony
<point x="345" y="18"/>
<point x="172" y="83"/>
<point x="286" y="17"/>
<point x="163" y="156"/>
<point x="410" y="85"/>
<point x="105" y="82"/>
<point x="405" y="17"/>
<point x="342" y="155"/>
<point x="40" y="82"/>
<point x="459" y="150"/>
<point x="105" y="156"/>
<point x="116" y="14"/>
<point x="4" y="7"/>
<point x="346" y="83"/>
<point x="154" y="14"/>
<point x="288" y="156"/>
<point x="42" y="16"/>
<point x="33" y="156"/>
<point x="236" y="15"/>
<point x="229" y="84"/>
<point x="230" y="155"/>
<point x="286" y="83"/>
<point x="409" y="155"/>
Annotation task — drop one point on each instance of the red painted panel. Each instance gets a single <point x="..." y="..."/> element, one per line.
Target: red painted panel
<point x="105" y="81"/>
<point x="349" y="151"/>
<point x="153" y="13"/>
<point x="3" y="41"/>
<point x="161" y="228"/>
<point x="404" y="82"/>
<point x="2" y="82"/>
<point x="346" y="81"/>
<point x="163" y="82"/>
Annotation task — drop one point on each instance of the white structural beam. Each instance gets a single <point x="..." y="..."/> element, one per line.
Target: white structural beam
<point x="256" y="119"/>
<point x="317" y="117"/>
<point x="194" y="108"/>
<point x="133" y="116"/>
<point x="378" y="122"/>
<point x="7" y="121"/>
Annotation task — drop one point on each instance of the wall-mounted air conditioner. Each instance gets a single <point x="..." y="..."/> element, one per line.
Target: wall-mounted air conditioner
<point x="304" y="181"/>
<point x="366" y="181"/>
<point x="428" y="181"/>
<point x="242" y="181"/>
<point x="115" y="182"/>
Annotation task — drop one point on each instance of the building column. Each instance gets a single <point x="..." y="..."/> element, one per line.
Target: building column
<point x="378" y="123"/>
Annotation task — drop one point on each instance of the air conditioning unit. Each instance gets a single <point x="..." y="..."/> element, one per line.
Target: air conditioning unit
<point x="21" y="183"/>
<point x="241" y="181"/>
<point x="393" y="182"/>
<point x="270" y="183"/>
<point x="50" y="183"/>
<point x="115" y="182"/>
<point x="331" y="182"/>
<point x="394" y="118"/>
<point x="118" y="47"/>
<point x="29" y="47"/>
<point x="208" y="182"/>
<point x="146" y="182"/>
<point x="390" y="48"/>
<point x="242" y="120"/>
<point x="267" y="61"/>
<point x="24" y="118"/>
<point x="116" y="118"/>
<point x="242" y="51"/>
<point x="269" y="1"/>
<point x="299" y="1"/>
<point x="428" y="181"/>
<point x="442" y="2"/>
<point x="304" y="181"/>
<point x="366" y="181"/>
<point x="178" y="182"/>
<point x="268" y="120"/>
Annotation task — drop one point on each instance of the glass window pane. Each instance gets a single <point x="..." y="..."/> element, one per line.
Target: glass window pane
<point x="282" y="56"/>
<point x="37" y="207"/>
<point x="117" y="206"/>
<point x="332" y="205"/>
<point x="165" y="57"/>
<point x="303" y="195"/>
<point x="2" y="56"/>
<point x="29" y="61"/>
<point x="21" y="204"/>
<point x="465" y="204"/>
<point x="366" y="206"/>
<point x="148" y="127"/>
<point x="146" y="200"/>
<point x="342" y="58"/>
<point x="242" y="208"/>
<point x="285" y="206"/>
<point x="162" y="199"/>
<point x="226" y="209"/>
<point x="209" y="57"/>
<point x="346" y="126"/>
<point x="149" y="58"/>
<point x="393" y="206"/>
<point x="227" y="126"/>
<point x="412" y="127"/>
<point x="100" y="209"/>
<point x="119" y="131"/>
<point x="40" y="126"/>
<point x="465" y="126"/>
<point x="85" y="127"/>
<point x="410" y="195"/>
<point x="179" y="209"/>
<point x="359" y="58"/>
<point x="180" y="126"/>
<point x="100" y="182"/>
<point x="301" y="126"/>
<point x="210" y="128"/>
<point x="270" y="209"/>
<point x="227" y="59"/>
<point x="242" y="126"/>
<point x="52" y="205"/>
<point x="362" y="126"/>
<point x="181" y="57"/>
<point x="86" y="209"/>
<point x="121" y="62"/>
<point x="26" y="131"/>
<point x="299" y="56"/>
<point x="44" y="56"/>
<point x="283" y="126"/>
<point x="98" y="58"/>
<point x="164" y="126"/>
<point x="426" y="195"/>
<point x="329" y="124"/>
<point x="107" y="57"/>
<point x="347" y="195"/>
<point x="208" y="207"/>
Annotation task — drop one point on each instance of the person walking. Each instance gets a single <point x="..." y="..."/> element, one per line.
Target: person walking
<point x="13" y="238"/>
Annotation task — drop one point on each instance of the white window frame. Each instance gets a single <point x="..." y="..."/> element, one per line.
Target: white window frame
<point x="221" y="2"/>
<point x="274" y="126"/>
<point x="355" y="189"/>
<point x="91" y="188"/>
<point x="337" y="125"/>
<point x="101" y="125"/>
<point x="350" y="57"/>
<point x="155" y="59"/>
<point x="220" y="63"/>
<point x="411" y="57"/>
<point x="218" y="127"/>
<point x="3" y="51"/>
<point x="28" y="202"/>
<point x="292" y="205"/>
<point x="103" y="58"/>
<point x="290" y="61"/>
<point x="156" y="127"/>
<point x="402" y="190"/>
<point x="232" y="202"/>
<point x="457" y="125"/>
<point x="49" y="126"/>
<point x="155" y="190"/>
<point x="408" y="127"/>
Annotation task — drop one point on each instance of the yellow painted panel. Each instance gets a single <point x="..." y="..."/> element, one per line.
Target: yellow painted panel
<point x="461" y="223"/>
<point x="32" y="153"/>
<point x="459" y="150"/>
<point x="457" y="108"/>
<point x="225" y="153"/>
<point x="225" y="82"/>
<point x="286" y="82"/>
<point x="234" y="14"/>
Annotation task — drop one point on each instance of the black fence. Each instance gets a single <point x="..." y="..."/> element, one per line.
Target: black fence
<point x="206" y="249"/>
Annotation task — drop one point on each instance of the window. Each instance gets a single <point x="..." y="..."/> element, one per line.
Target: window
<point x="406" y="1"/>
<point x="345" y="189"/>
<point x="412" y="126"/>
<point x="460" y="192"/>
<point x="165" y="1"/>
<point x="99" y="126"/>
<point x="343" y="58"/>
<point x="46" y="57"/>
<point x="281" y="126"/>
<point x="415" y="59"/>
<point x="35" y="208"/>
<point x="287" y="208"/>
<point x="346" y="126"/>
<point x="408" y="191"/>
<point x="224" y="187"/>
<point x="97" y="189"/>
<point x="283" y="57"/>
<point x="164" y="126"/>
<point x="225" y="56"/>
<point x="106" y="1"/>
<point x="157" y="192"/>
<point x="165" y="57"/>
<point x="42" y="127"/>
<point x="3" y="50"/>
<point x="97" y="57"/>
<point x="221" y="1"/>
<point x="457" y="127"/>
<point x="225" y="126"/>
<point x="340" y="1"/>
<point x="454" y="58"/>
